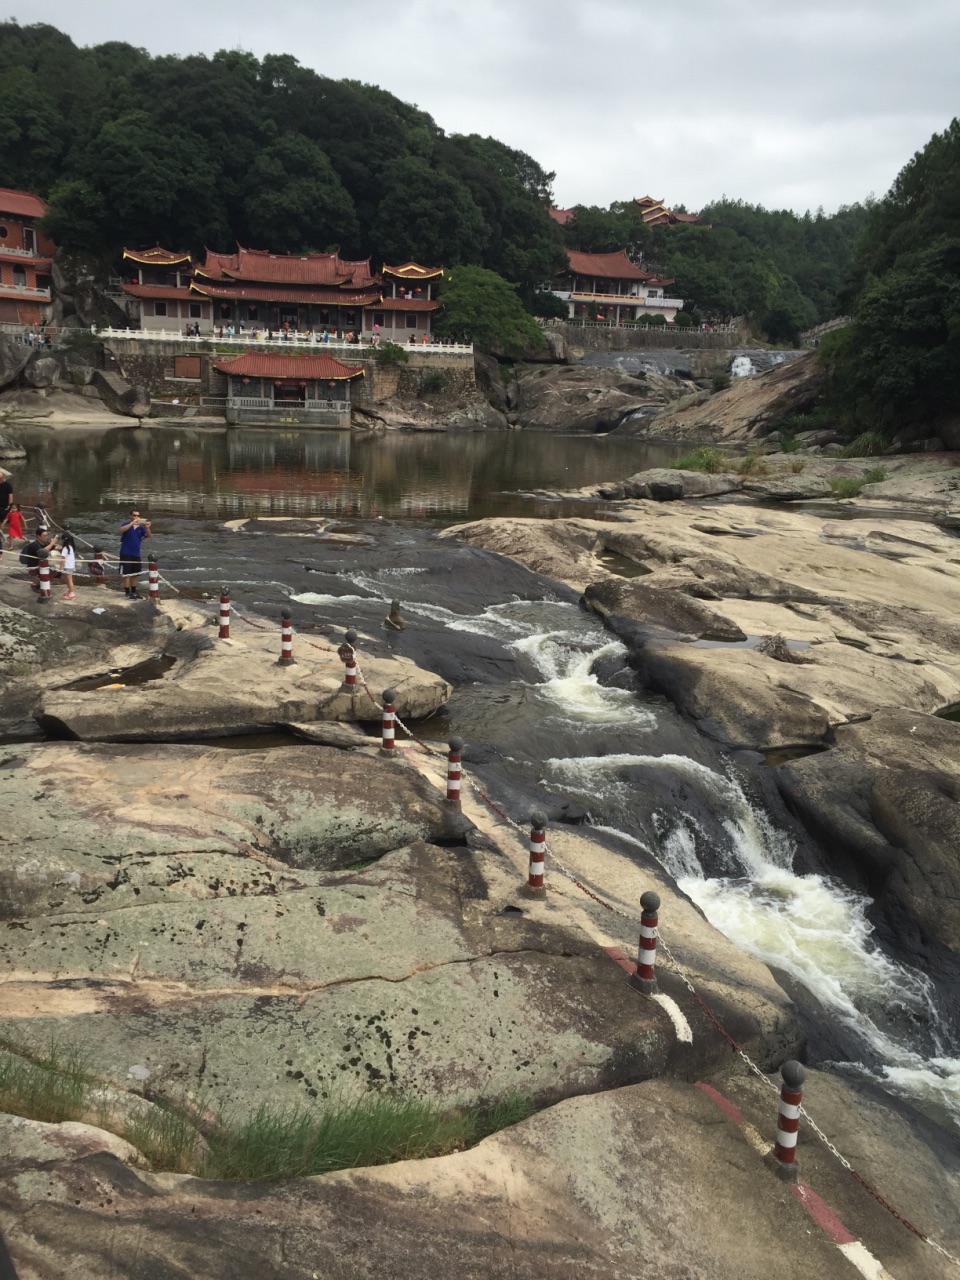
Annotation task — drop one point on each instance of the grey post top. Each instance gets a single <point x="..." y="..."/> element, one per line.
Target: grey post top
<point x="389" y="697"/>
<point x="538" y="820"/>
<point x="793" y="1074"/>
<point x="286" y="615"/>
<point x="650" y="903"/>
<point x="455" y="745"/>
<point x="351" y="637"/>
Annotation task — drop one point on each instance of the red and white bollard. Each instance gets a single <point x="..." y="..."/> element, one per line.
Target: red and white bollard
<point x="224" y="632"/>
<point x="454" y="772"/>
<point x="535" y="887"/>
<point x="153" y="577"/>
<point x="645" y="978"/>
<point x="347" y="653"/>
<point x="43" y="578"/>
<point x="788" y="1121"/>
<point x="388" y="739"/>
<point x="286" y="658"/>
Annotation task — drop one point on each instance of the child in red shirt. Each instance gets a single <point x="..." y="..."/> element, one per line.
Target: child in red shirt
<point x="15" y="529"/>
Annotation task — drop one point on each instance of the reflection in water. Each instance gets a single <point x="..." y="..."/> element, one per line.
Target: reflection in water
<point x="213" y="473"/>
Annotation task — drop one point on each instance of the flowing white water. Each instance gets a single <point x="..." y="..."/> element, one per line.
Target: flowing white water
<point x="807" y="926"/>
<point x="741" y="367"/>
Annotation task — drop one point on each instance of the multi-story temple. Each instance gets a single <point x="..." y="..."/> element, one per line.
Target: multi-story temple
<point x="656" y="214"/>
<point x="609" y="287"/>
<point x="26" y="259"/>
<point x="253" y="289"/>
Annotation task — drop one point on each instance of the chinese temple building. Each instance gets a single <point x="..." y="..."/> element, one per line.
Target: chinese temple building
<point x="656" y="214"/>
<point x="26" y="259"/>
<point x="264" y="386"/>
<point x="160" y="280"/>
<point x="609" y="287"/>
<point x="253" y="289"/>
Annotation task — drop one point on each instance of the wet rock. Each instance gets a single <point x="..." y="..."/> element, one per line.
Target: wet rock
<point x="788" y="488"/>
<point x="581" y="398"/>
<point x="885" y="799"/>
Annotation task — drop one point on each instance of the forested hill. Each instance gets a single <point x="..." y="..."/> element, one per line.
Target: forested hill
<point x="782" y="270"/>
<point x="194" y="151"/>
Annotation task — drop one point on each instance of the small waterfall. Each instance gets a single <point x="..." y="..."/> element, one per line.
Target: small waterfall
<point x="741" y="367"/>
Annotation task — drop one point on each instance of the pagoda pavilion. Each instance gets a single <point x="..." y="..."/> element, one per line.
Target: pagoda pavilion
<point x="304" y="388"/>
<point x="26" y="259"/>
<point x="656" y="214"/>
<point x="609" y="287"/>
<point x="253" y="289"/>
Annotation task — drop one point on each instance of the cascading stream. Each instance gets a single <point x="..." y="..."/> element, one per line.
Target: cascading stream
<point x="807" y="926"/>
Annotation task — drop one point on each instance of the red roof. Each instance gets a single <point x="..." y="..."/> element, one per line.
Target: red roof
<point x="605" y="266"/>
<point x="246" y="293"/>
<point x="258" y="266"/>
<point x="255" y="365"/>
<point x="413" y="271"/>
<point x="407" y="304"/>
<point x="563" y="216"/>
<point x="159" y="291"/>
<point x="21" y="203"/>
<point x="156" y="257"/>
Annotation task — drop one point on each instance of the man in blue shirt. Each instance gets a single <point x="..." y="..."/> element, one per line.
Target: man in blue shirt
<point x="132" y="533"/>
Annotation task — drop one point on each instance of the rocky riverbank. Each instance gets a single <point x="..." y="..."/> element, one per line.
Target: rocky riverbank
<point x="225" y="922"/>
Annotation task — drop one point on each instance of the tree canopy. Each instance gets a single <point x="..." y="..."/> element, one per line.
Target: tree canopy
<point x="898" y="362"/>
<point x="482" y="307"/>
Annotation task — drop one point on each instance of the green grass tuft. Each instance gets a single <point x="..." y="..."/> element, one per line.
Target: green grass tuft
<point x="876" y="475"/>
<point x="868" y="444"/>
<point x="846" y="486"/>
<point x="48" y="1084"/>
<point x="706" y="458"/>
<point x="754" y="464"/>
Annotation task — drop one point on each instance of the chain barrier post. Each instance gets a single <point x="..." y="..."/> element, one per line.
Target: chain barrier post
<point x="792" y="1075"/>
<point x="388" y="743"/>
<point x="645" y="979"/>
<point x="43" y="571"/>
<point x="153" y="578"/>
<point x="535" y="887"/>
<point x="286" y="658"/>
<point x="224" y="632"/>
<point x="347" y="653"/>
<point x="454" y="773"/>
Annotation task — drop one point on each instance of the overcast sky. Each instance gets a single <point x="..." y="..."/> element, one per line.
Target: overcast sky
<point x="786" y="103"/>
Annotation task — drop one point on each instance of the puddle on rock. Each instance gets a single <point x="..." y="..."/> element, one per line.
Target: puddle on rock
<point x="622" y="566"/>
<point x="127" y="677"/>
<point x="751" y="642"/>
<point x="782" y="755"/>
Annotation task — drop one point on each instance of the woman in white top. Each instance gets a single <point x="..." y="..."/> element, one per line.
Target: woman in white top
<point x="68" y="563"/>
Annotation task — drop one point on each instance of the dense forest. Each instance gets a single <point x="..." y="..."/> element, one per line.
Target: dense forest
<point x="898" y="363"/>
<point x="194" y="151"/>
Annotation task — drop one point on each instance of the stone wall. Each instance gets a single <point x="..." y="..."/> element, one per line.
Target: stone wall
<point x="608" y="338"/>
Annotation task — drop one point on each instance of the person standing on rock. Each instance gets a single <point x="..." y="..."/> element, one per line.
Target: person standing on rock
<point x="132" y="534"/>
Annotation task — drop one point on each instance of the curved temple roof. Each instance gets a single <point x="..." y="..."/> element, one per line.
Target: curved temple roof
<point x="254" y="364"/>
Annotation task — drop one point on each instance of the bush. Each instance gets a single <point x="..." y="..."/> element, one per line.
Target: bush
<point x="720" y="382"/>
<point x="684" y="320"/>
<point x="706" y="458"/>
<point x="388" y="353"/>
<point x="846" y="486"/>
<point x="797" y="465"/>
<point x="434" y="382"/>
<point x="548" y="306"/>
<point x="868" y="444"/>
<point x="876" y="475"/>
<point x="789" y="445"/>
<point x="657" y="320"/>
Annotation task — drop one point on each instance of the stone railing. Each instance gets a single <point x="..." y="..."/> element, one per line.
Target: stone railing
<point x="26" y="291"/>
<point x="302" y="342"/>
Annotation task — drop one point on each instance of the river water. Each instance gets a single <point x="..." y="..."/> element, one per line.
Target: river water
<point x="565" y="718"/>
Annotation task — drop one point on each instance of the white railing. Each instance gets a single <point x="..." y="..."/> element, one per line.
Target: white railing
<point x="26" y="291"/>
<point x="248" y="402"/>
<point x="311" y="342"/>
<point x="310" y="406"/>
<point x="19" y="253"/>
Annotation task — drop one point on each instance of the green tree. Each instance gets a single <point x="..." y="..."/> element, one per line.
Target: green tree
<point x="295" y="200"/>
<point x="482" y="307"/>
<point x="427" y="216"/>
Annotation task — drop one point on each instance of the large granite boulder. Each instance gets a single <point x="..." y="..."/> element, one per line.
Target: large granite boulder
<point x="635" y="609"/>
<point x="10" y="448"/>
<point x="669" y="484"/>
<point x="41" y="371"/>
<point x="119" y="396"/>
<point x="585" y="398"/>
<point x="13" y="357"/>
